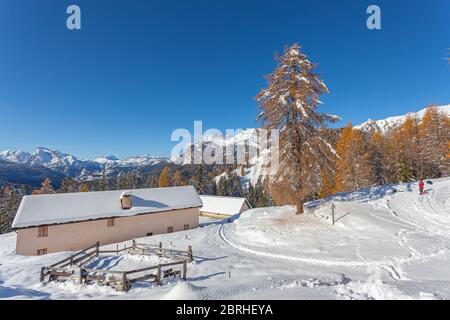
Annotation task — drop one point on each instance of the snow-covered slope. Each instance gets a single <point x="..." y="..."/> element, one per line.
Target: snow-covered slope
<point x="75" y="167"/>
<point x="385" y="125"/>
<point x="387" y="242"/>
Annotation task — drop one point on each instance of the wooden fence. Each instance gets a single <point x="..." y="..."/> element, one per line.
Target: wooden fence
<point x="120" y="280"/>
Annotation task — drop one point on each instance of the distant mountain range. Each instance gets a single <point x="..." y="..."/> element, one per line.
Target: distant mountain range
<point x="74" y="167"/>
<point x="32" y="176"/>
<point x="16" y="166"/>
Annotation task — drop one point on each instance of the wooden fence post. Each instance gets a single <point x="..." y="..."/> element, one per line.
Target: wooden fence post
<point x="184" y="269"/>
<point x="80" y="275"/>
<point x="159" y="279"/>
<point x="134" y="244"/>
<point x="124" y="282"/>
<point x="97" y="248"/>
<point x="333" y="206"/>
<point x="190" y="253"/>
<point x="42" y="277"/>
<point x="117" y="248"/>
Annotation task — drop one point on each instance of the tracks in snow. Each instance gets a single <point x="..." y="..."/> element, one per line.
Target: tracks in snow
<point x="329" y="262"/>
<point x="430" y="206"/>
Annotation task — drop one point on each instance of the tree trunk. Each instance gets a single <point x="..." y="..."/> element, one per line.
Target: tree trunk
<point x="299" y="206"/>
<point x="299" y="201"/>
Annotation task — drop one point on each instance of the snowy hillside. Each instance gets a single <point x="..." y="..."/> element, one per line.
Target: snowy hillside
<point x="75" y="167"/>
<point x="385" y="125"/>
<point x="387" y="243"/>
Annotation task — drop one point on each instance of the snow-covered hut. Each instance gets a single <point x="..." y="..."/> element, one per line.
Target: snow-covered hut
<point x="72" y="221"/>
<point x="218" y="207"/>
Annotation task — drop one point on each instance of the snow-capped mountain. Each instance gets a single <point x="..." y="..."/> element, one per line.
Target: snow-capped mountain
<point x="16" y="156"/>
<point x="258" y="165"/>
<point x="145" y="160"/>
<point x="75" y="167"/>
<point x="106" y="159"/>
<point x="385" y="125"/>
<point x="241" y="138"/>
<point x="258" y="162"/>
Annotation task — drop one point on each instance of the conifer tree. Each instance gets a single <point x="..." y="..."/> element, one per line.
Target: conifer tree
<point x="433" y="140"/>
<point x="260" y="198"/>
<point x="289" y="104"/>
<point x="177" y="179"/>
<point x="102" y="183"/>
<point x="45" y="189"/>
<point x="151" y="181"/>
<point x="222" y="188"/>
<point x="235" y="186"/>
<point x="327" y="184"/>
<point x="352" y="165"/>
<point x="138" y="180"/>
<point x="128" y="181"/>
<point x="214" y="188"/>
<point x="202" y="183"/>
<point x="379" y="170"/>
<point x="68" y="185"/>
<point x="251" y="195"/>
<point x="9" y="203"/>
<point x="164" y="180"/>
<point x="404" y="152"/>
<point x="119" y="183"/>
<point x="84" y="188"/>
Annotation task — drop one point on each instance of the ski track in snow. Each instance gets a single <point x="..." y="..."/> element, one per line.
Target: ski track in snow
<point x="391" y="265"/>
<point x="431" y="217"/>
<point x="329" y="262"/>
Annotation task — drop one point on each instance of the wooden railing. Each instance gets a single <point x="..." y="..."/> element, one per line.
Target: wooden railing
<point x="120" y="280"/>
<point x="71" y="259"/>
<point x="153" y="248"/>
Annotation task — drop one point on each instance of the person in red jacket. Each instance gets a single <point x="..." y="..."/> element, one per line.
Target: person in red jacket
<point x="421" y="186"/>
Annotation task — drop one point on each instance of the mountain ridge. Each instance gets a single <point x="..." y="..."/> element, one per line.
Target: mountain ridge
<point x="389" y="123"/>
<point x="78" y="168"/>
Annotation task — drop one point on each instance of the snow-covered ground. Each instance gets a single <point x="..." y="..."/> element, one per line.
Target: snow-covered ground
<point x="387" y="243"/>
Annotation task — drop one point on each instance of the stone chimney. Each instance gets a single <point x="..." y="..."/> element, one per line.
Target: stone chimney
<point x="125" y="200"/>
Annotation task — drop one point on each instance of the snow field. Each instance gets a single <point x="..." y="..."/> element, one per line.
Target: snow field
<point x="387" y="243"/>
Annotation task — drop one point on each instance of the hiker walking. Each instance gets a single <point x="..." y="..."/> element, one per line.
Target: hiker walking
<point x="421" y="186"/>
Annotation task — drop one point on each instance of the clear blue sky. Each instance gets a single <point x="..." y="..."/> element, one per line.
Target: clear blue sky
<point x="139" y="69"/>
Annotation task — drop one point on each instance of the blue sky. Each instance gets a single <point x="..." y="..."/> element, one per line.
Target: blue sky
<point x="139" y="69"/>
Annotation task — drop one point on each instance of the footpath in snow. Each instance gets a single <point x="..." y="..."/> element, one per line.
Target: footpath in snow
<point x="387" y="242"/>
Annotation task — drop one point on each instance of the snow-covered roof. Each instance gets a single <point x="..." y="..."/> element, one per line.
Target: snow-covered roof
<point x="223" y="205"/>
<point x="46" y="209"/>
